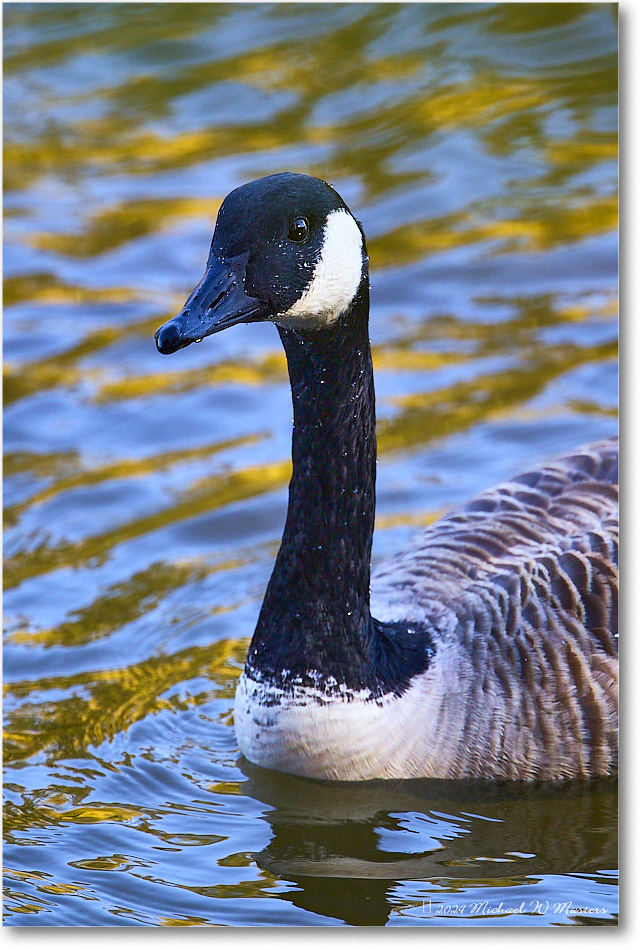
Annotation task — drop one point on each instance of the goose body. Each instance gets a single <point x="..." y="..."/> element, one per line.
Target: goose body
<point x="487" y="648"/>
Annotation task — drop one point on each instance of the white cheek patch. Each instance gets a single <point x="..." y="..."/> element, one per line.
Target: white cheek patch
<point x="337" y="275"/>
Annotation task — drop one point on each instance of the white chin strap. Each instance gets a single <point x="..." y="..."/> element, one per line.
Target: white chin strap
<point x="336" y="277"/>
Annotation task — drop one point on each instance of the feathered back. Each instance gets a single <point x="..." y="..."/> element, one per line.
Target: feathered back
<point x="523" y="582"/>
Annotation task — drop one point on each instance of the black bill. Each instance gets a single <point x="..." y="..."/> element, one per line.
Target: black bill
<point x="217" y="302"/>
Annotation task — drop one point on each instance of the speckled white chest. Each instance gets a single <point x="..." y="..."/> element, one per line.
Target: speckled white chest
<point x="350" y="735"/>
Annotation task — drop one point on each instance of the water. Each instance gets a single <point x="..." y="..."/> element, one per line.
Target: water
<point x="145" y="495"/>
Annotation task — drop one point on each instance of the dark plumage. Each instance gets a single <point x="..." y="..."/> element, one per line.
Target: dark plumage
<point x="487" y="648"/>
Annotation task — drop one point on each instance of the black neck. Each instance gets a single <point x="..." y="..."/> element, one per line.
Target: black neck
<point x="316" y="612"/>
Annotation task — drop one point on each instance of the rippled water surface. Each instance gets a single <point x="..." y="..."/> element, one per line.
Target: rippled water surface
<point x="145" y="495"/>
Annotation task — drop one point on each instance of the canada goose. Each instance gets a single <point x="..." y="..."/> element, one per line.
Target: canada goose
<point x="491" y="648"/>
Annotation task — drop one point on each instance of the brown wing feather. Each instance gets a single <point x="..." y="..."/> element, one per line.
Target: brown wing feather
<point x="528" y="571"/>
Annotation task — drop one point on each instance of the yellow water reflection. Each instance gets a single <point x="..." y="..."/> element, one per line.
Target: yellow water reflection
<point x="103" y="703"/>
<point x="205" y="495"/>
<point x="144" y="496"/>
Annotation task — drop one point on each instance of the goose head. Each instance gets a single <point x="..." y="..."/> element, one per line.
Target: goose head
<point x="285" y="249"/>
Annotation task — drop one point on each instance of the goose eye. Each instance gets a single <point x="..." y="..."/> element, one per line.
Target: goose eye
<point x="299" y="230"/>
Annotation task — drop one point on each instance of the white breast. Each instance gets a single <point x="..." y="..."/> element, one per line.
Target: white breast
<point x="350" y="735"/>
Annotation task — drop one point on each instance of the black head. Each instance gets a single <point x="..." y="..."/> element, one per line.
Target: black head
<point x="285" y="248"/>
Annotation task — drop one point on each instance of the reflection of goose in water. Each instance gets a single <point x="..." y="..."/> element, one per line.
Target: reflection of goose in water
<point x="491" y="648"/>
<point x="346" y="846"/>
